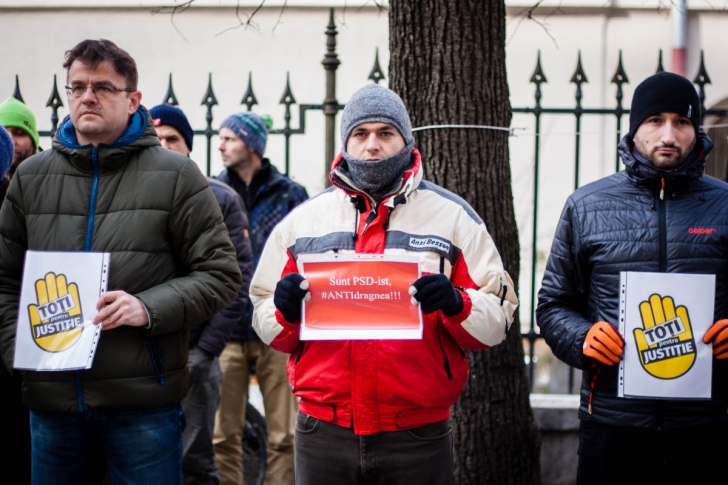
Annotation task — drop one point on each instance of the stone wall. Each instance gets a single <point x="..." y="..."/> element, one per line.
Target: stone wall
<point x="556" y="416"/>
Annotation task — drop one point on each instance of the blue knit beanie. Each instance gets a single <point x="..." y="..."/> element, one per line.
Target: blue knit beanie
<point x="166" y="114"/>
<point x="250" y="128"/>
<point x="6" y="151"/>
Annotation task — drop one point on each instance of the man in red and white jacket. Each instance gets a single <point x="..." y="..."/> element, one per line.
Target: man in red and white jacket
<point x="378" y="409"/>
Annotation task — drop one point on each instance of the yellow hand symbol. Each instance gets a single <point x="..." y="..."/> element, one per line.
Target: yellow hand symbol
<point x="665" y="345"/>
<point x="56" y="321"/>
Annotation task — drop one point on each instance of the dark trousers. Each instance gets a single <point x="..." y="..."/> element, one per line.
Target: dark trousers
<point x="616" y="455"/>
<point x="15" y="429"/>
<point x="332" y="455"/>
<point x="200" y="405"/>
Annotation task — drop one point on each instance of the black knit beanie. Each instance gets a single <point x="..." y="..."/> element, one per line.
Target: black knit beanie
<point x="664" y="92"/>
<point x="166" y="114"/>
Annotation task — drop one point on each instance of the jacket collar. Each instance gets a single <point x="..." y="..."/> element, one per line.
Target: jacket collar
<point x="410" y="180"/>
<point x="139" y="134"/>
<point x="644" y="173"/>
<point x="268" y="176"/>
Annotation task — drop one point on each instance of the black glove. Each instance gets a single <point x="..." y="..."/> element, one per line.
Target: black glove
<point x="436" y="292"/>
<point x="290" y="292"/>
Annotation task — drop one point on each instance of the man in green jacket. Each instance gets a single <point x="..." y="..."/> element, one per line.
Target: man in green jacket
<point x="107" y="185"/>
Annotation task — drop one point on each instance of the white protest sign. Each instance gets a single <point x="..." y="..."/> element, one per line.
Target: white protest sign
<point x="57" y="306"/>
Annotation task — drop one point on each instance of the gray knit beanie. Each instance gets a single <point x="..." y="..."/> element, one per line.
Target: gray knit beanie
<point x="374" y="103"/>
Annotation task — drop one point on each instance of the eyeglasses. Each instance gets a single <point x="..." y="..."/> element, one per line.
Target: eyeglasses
<point x="102" y="91"/>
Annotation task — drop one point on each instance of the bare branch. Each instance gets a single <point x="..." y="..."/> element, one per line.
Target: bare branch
<point x="529" y="14"/>
<point x="343" y="14"/>
<point x="377" y="3"/>
<point x="172" y="11"/>
<point x="280" y="15"/>
<point x="247" y="23"/>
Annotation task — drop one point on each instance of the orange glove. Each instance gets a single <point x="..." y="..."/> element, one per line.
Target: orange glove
<point x="603" y="343"/>
<point x="718" y="335"/>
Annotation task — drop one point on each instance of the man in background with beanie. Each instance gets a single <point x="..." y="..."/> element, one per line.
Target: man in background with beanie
<point x="269" y="196"/>
<point x="173" y="129"/>
<point x="106" y="185"/>
<point x="641" y="219"/>
<point x="376" y="411"/>
<point x="17" y="118"/>
<point x="208" y="339"/>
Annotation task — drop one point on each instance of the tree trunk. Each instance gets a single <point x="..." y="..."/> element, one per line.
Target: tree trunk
<point x="448" y="65"/>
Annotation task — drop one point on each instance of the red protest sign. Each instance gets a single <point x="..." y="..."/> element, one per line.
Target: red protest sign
<point x="360" y="297"/>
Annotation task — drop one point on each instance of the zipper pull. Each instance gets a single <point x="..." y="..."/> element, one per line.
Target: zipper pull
<point x="446" y="366"/>
<point x="662" y="188"/>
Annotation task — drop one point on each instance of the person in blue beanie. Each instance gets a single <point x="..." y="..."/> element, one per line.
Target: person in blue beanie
<point x="269" y="196"/>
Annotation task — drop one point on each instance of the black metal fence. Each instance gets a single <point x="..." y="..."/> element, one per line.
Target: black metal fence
<point x="330" y="107"/>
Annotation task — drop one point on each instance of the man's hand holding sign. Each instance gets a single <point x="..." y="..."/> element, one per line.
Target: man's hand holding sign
<point x="718" y="336"/>
<point x="118" y="308"/>
<point x="290" y="292"/>
<point x="436" y="292"/>
<point x="604" y="344"/>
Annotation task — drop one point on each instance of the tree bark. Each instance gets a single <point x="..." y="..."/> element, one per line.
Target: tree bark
<point x="448" y="65"/>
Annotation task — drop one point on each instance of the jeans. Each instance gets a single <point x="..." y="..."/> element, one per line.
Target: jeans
<point x="200" y="405"/>
<point x="328" y="454"/>
<point x="137" y="447"/>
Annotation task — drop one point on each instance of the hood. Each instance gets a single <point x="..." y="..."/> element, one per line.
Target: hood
<point x="410" y="180"/>
<point x="140" y="133"/>
<point x="647" y="174"/>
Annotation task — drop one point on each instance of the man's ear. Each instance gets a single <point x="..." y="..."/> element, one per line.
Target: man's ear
<point x="135" y="99"/>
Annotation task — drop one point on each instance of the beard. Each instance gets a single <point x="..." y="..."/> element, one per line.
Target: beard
<point x="670" y="161"/>
<point x="18" y="157"/>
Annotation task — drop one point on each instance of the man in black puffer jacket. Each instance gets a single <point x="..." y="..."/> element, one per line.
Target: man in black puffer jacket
<point x="661" y="214"/>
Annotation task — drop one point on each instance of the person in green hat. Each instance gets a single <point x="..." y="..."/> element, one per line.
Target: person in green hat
<point x="19" y="121"/>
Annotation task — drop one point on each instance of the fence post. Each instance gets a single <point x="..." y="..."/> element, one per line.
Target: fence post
<point x="578" y="78"/>
<point x="538" y="77"/>
<point x="701" y="79"/>
<point x="331" y="106"/>
<point x="619" y="78"/>
<point x="54" y="102"/>
<point x="209" y="100"/>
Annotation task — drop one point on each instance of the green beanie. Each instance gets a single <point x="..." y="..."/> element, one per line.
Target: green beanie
<point x="16" y="114"/>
